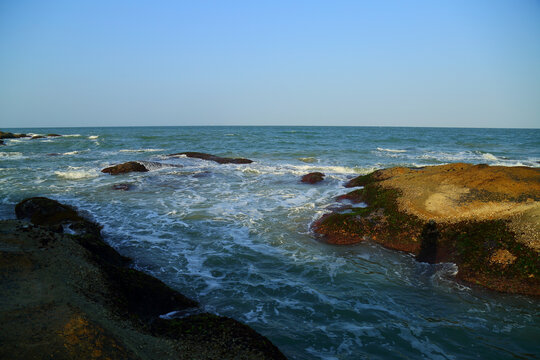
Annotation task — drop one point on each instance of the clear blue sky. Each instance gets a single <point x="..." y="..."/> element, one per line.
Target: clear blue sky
<point x="473" y="63"/>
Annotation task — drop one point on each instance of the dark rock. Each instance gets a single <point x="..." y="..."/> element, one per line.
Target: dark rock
<point x="50" y="213"/>
<point x="131" y="166"/>
<point x="54" y="154"/>
<point x="313" y="177"/>
<point x="143" y="295"/>
<point x="44" y="211"/>
<point x="428" y="245"/>
<point x="8" y="135"/>
<point x="37" y="137"/>
<point x="218" y="159"/>
<point x="2" y="142"/>
<point x="214" y="331"/>
<point x="123" y="186"/>
<point x="53" y="135"/>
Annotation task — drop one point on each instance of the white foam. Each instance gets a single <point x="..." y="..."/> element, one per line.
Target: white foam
<point x="76" y="173"/>
<point x="93" y="137"/>
<point x="72" y="152"/>
<point x="72" y="135"/>
<point x="308" y="159"/>
<point x="490" y="157"/>
<point x="11" y="155"/>
<point x="391" y="150"/>
<point x="140" y="150"/>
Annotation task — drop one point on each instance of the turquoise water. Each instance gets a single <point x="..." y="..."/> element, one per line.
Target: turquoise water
<point x="237" y="238"/>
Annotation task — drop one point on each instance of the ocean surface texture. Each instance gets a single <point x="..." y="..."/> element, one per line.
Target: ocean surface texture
<point x="237" y="237"/>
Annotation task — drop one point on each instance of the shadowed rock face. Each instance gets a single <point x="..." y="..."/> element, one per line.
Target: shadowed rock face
<point x="94" y="306"/>
<point x="483" y="218"/>
<point x="209" y="157"/>
<point x="131" y="166"/>
<point x="313" y="178"/>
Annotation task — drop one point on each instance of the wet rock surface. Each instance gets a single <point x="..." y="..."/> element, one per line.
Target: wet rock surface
<point x="72" y="296"/>
<point x="209" y="157"/>
<point x="130" y="166"/>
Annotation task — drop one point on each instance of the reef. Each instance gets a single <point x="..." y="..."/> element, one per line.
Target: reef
<point x="486" y="219"/>
<point x="130" y="166"/>
<point x="67" y="294"/>
<point x="209" y="157"/>
<point x="312" y="178"/>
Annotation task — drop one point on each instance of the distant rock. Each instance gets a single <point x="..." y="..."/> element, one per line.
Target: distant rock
<point x="37" y="137"/>
<point x="8" y="135"/>
<point x="209" y="157"/>
<point x="313" y="178"/>
<point x="130" y="166"/>
<point x="53" y="135"/>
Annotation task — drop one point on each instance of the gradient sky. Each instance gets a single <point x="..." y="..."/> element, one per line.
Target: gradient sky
<point x="376" y="63"/>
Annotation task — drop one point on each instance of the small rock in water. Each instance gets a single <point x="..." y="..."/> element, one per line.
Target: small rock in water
<point x="123" y="186"/>
<point x="53" y="135"/>
<point x="313" y="177"/>
<point x="130" y="166"/>
<point x="37" y="137"/>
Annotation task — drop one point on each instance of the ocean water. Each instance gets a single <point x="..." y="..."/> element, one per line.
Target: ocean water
<point x="237" y="237"/>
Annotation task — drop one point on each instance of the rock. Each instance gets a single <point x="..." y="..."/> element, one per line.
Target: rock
<point x="313" y="178"/>
<point x="2" y="142"/>
<point x="471" y="215"/>
<point x="64" y="298"/>
<point x="356" y="196"/>
<point x="123" y="186"/>
<point x="8" y="135"/>
<point x="131" y="166"/>
<point x="53" y="135"/>
<point x="209" y="157"/>
<point x="37" y="137"/>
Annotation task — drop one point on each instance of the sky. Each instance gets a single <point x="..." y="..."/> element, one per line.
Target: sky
<point x="455" y="63"/>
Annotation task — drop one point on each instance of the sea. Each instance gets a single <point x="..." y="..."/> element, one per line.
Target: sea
<point x="237" y="238"/>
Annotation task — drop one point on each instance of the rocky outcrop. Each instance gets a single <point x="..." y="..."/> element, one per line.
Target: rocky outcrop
<point x="461" y="213"/>
<point x="37" y="137"/>
<point x="68" y="299"/>
<point x="209" y="157"/>
<point x="8" y="135"/>
<point x="313" y="178"/>
<point x="2" y="142"/>
<point x="130" y="166"/>
<point x="53" y="135"/>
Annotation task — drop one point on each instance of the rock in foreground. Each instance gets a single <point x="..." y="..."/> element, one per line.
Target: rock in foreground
<point x="71" y="296"/>
<point x="209" y="157"/>
<point x="313" y="178"/>
<point x="130" y="166"/>
<point x="486" y="219"/>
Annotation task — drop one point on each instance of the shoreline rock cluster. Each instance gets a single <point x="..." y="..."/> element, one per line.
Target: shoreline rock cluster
<point x="486" y="219"/>
<point x="68" y="295"/>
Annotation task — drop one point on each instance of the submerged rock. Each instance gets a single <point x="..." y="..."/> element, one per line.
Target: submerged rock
<point x="313" y="178"/>
<point x="69" y="297"/>
<point x="457" y="213"/>
<point x="209" y="157"/>
<point x="123" y="186"/>
<point x="130" y="166"/>
<point x="53" y="135"/>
